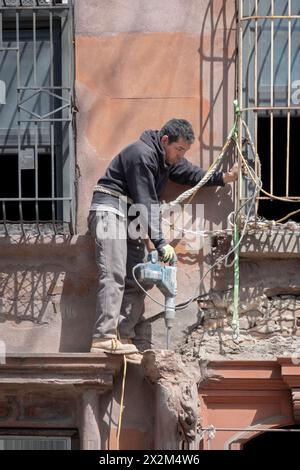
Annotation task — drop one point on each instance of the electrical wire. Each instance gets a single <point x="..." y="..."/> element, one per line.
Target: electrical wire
<point x="252" y="199"/>
<point x="288" y="215"/>
<point x="218" y="261"/>
<point x="183" y="304"/>
<point x="221" y="258"/>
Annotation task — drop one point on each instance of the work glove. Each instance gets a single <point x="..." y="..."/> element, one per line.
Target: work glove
<point x="167" y="253"/>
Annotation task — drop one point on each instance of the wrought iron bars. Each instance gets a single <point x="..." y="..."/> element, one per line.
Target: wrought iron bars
<point x="43" y="119"/>
<point x="260" y="70"/>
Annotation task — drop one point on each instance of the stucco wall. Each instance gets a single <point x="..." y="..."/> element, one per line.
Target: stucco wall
<point x="146" y="63"/>
<point x="137" y="65"/>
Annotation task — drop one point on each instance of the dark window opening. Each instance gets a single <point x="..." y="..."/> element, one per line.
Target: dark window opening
<point x="272" y="440"/>
<point x="273" y="209"/>
<point x="46" y="210"/>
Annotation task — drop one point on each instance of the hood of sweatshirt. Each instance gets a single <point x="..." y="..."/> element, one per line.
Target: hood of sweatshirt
<point x="151" y="138"/>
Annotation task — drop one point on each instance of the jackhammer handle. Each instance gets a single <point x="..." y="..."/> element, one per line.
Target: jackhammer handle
<point x="173" y="261"/>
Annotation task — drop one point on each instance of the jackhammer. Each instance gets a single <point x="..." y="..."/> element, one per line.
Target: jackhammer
<point x="164" y="277"/>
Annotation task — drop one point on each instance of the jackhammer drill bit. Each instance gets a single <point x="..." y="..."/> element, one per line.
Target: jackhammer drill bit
<point x="168" y="337"/>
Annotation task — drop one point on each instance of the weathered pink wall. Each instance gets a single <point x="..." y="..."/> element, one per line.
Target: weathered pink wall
<point x="138" y="65"/>
<point x="248" y="395"/>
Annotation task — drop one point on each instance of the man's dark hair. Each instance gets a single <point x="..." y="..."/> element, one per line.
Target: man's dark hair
<point x="176" y="128"/>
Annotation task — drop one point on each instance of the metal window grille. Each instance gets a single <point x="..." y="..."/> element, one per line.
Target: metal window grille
<point x="37" y="168"/>
<point x="34" y="443"/>
<point x="268" y="77"/>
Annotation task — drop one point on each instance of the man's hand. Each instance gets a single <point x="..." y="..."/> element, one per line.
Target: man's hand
<point x="167" y="253"/>
<point x="233" y="173"/>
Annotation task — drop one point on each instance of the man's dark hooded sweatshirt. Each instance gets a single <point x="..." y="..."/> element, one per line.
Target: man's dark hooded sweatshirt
<point x="141" y="173"/>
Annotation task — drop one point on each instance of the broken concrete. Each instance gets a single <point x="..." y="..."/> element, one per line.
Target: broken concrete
<point x="269" y="327"/>
<point x="176" y="405"/>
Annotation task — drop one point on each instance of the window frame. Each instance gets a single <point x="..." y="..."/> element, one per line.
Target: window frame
<point x="249" y="90"/>
<point x="60" y="139"/>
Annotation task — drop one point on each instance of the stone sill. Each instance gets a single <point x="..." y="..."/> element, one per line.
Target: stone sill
<point x="61" y="370"/>
<point x="75" y="249"/>
<point x="278" y="374"/>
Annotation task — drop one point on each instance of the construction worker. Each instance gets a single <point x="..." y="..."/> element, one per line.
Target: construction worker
<point x="137" y="175"/>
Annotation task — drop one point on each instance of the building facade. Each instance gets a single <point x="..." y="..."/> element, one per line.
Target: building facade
<point x="78" y="82"/>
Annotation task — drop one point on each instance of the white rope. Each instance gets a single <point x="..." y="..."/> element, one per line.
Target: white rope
<point x="111" y="192"/>
<point x="190" y="192"/>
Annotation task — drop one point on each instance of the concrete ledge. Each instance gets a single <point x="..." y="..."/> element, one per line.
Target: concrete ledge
<point x="61" y="370"/>
<point x="239" y="375"/>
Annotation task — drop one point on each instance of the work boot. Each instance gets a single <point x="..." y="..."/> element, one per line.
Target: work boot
<point x="134" y="358"/>
<point x="112" y="346"/>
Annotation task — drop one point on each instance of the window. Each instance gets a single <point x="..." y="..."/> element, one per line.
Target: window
<point x="39" y="439"/>
<point x="34" y="443"/>
<point x="269" y="94"/>
<point x="36" y="122"/>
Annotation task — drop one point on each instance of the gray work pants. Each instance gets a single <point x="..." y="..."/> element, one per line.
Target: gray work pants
<point x="120" y="302"/>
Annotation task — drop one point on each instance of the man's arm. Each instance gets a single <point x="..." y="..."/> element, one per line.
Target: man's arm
<point x="186" y="173"/>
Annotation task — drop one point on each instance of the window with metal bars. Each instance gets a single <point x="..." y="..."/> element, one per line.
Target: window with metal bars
<point x="36" y="121"/>
<point x="34" y="443"/>
<point x="269" y="72"/>
<point x="39" y="439"/>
